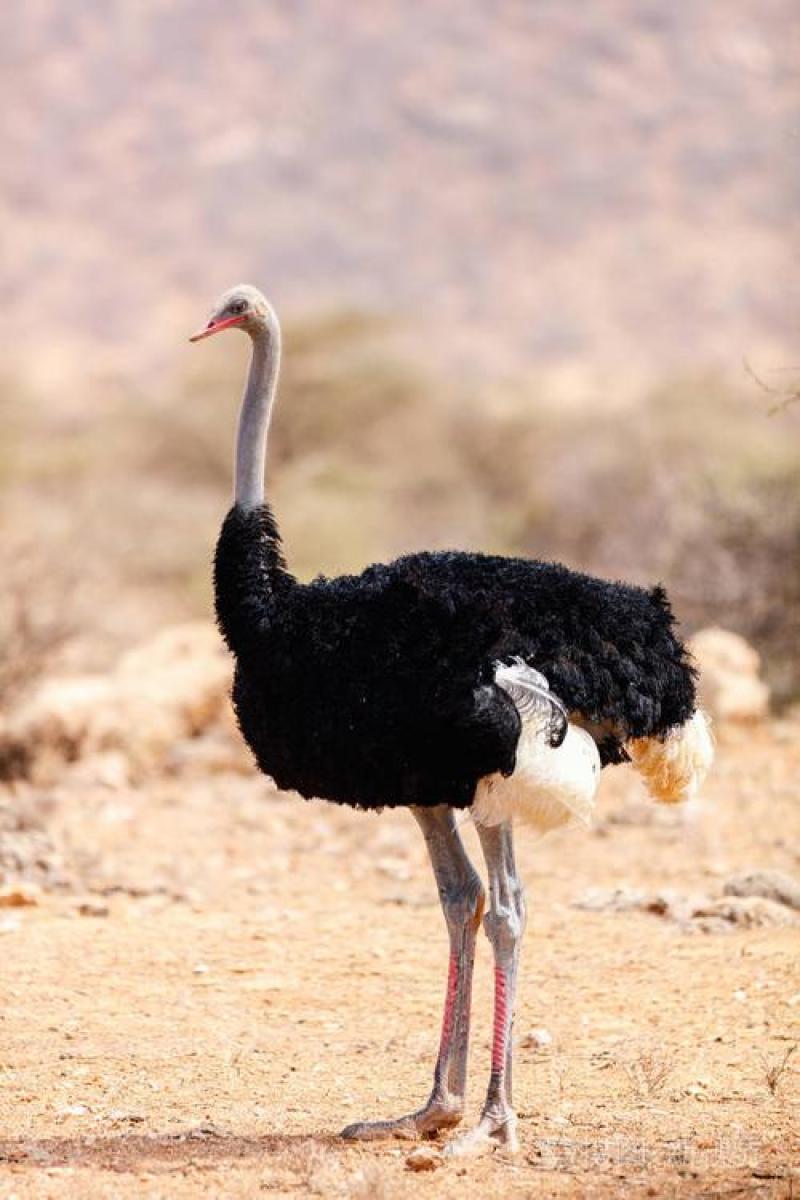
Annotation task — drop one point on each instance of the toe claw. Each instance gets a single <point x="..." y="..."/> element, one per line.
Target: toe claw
<point x="488" y="1134"/>
<point x="373" y="1131"/>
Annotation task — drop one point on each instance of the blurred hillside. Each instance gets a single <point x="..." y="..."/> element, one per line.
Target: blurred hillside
<point x="531" y="184"/>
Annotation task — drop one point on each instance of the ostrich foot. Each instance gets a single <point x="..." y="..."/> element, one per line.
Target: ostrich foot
<point x="439" y="1113"/>
<point x="492" y="1132"/>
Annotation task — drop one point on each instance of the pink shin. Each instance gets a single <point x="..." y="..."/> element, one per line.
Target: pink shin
<point x="500" y="1038"/>
<point x="449" y="1004"/>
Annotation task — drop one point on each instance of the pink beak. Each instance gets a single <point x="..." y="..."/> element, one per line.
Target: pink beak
<point x="216" y="327"/>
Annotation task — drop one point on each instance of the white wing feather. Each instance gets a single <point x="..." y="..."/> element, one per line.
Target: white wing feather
<point x="558" y="766"/>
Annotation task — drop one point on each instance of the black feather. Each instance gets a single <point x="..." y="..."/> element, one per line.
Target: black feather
<point x="377" y="689"/>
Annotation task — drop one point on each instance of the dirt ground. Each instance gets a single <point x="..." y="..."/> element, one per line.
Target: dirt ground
<point x="221" y="978"/>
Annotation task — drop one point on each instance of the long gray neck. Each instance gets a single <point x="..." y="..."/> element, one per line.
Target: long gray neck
<point x="255" y="415"/>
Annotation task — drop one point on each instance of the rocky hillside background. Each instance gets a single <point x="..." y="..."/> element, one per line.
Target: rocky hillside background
<point x="524" y="184"/>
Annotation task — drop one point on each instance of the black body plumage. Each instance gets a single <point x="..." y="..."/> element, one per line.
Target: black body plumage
<point x="376" y="690"/>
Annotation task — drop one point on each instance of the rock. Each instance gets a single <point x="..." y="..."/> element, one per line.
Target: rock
<point x="172" y="687"/>
<point x="30" y="856"/>
<point x="200" y="1132"/>
<point x="537" y="1039"/>
<point x="53" y="726"/>
<point x="185" y="670"/>
<point x="730" y="687"/>
<point x="424" y="1158"/>
<point x="628" y="899"/>
<point x="745" y="912"/>
<point x="91" y="908"/>
<point x="19" y="895"/>
<point x="770" y="885"/>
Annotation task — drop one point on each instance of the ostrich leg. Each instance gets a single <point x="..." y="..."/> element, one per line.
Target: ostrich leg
<point x="504" y="924"/>
<point x="461" y="895"/>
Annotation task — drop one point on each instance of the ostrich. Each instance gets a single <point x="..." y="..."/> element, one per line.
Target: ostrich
<point x="440" y="682"/>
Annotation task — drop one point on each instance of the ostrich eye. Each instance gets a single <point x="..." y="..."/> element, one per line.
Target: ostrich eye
<point x="238" y="306"/>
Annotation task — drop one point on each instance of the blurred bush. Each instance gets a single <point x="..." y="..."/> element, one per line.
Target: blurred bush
<point x="33" y="630"/>
<point x="696" y="486"/>
<point x="120" y="496"/>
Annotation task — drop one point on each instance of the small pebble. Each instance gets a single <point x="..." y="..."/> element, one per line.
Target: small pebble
<point x="92" y="908"/>
<point x="424" y="1158"/>
<point x="207" y="1130"/>
<point x="769" y="885"/>
<point x="19" y="895"/>
<point x="537" y="1039"/>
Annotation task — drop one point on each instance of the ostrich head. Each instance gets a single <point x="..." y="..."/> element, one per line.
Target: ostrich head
<point x="241" y="307"/>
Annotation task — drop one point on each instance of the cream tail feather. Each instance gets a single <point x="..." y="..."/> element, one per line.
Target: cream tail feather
<point x="673" y="768"/>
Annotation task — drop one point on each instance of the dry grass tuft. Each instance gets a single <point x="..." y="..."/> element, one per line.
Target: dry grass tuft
<point x="648" y="1072"/>
<point x="774" y="1071"/>
<point x="33" y="630"/>
<point x="322" y="1172"/>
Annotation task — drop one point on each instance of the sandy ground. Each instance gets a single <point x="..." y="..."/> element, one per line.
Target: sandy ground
<point x="231" y="976"/>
